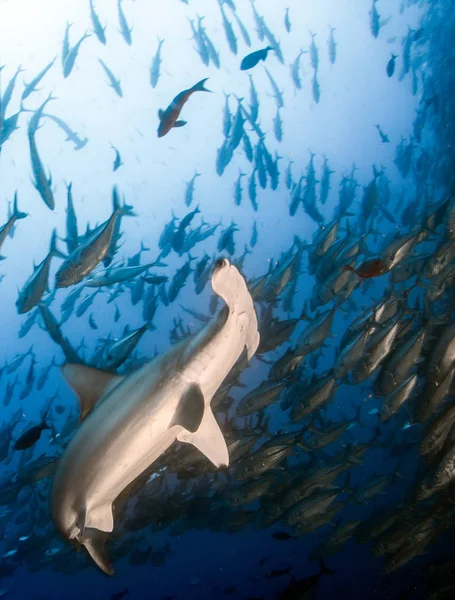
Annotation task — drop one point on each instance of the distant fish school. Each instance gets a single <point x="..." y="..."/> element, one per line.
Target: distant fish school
<point x="398" y="339"/>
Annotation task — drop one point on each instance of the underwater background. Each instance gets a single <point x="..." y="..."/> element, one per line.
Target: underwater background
<point x="323" y="169"/>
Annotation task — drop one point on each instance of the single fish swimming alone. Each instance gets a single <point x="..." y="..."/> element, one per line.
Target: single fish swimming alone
<point x="168" y="399"/>
<point x="251" y="60"/>
<point x="169" y="117"/>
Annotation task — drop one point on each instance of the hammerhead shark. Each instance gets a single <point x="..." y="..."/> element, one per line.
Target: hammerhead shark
<point x="128" y="422"/>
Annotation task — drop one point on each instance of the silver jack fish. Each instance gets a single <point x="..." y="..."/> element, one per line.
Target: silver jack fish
<point x="132" y="420"/>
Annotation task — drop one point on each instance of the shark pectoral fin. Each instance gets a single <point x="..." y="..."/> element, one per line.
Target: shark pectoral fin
<point x="208" y="439"/>
<point x="190" y="411"/>
<point x="160" y="114"/>
<point x="95" y="544"/>
<point x="100" y="517"/>
<point x="180" y="123"/>
<point x="88" y="384"/>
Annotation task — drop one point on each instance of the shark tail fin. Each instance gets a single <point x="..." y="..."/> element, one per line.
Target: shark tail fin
<point x="208" y="439"/>
<point x="95" y="544"/>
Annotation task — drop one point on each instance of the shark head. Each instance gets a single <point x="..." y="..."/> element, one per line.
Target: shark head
<point x="228" y="283"/>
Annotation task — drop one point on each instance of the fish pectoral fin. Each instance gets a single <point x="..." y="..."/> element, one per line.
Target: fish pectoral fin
<point x="208" y="439"/>
<point x="88" y="384"/>
<point x="160" y="114"/>
<point x="190" y="411"/>
<point x="100" y="517"/>
<point x="95" y="544"/>
<point x="180" y="123"/>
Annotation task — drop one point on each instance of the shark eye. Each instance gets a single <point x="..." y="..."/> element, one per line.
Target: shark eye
<point x="220" y="263"/>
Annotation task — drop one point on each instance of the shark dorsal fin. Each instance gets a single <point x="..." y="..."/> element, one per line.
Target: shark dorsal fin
<point x="190" y="410"/>
<point x="88" y="384"/>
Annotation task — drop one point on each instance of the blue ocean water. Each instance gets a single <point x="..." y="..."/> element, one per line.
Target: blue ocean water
<point x="336" y="141"/>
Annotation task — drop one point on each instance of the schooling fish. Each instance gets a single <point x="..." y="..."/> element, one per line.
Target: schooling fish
<point x="36" y="284"/>
<point x="370" y="268"/>
<point x="8" y="226"/>
<point x="168" y="399"/>
<point x="97" y="27"/>
<point x="391" y="65"/>
<point x="125" y="30"/>
<point x="32" y="435"/>
<point x="114" y="83"/>
<point x="251" y="60"/>
<point x="168" y="118"/>
<point x="92" y="251"/>
<point x="42" y="184"/>
<point x="31" y="87"/>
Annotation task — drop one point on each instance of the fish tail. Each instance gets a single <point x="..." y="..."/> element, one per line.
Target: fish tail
<point x="127" y="211"/>
<point x="199" y="86"/>
<point x="324" y="569"/>
<point x="16" y="212"/>
<point x="348" y="268"/>
<point x="53" y="248"/>
<point x="115" y="199"/>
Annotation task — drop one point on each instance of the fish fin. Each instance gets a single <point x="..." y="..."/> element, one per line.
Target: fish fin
<point x="53" y="247"/>
<point x="208" y="439"/>
<point x="95" y="544"/>
<point x="88" y="384"/>
<point x="324" y="569"/>
<point x="100" y="518"/>
<point x="199" y="86"/>
<point x="160" y="114"/>
<point x="180" y="123"/>
<point x="16" y="212"/>
<point x="190" y="410"/>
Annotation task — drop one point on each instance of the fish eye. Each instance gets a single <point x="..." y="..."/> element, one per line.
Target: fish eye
<point x="220" y="263"/>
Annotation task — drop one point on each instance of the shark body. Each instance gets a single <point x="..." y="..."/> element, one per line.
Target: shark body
<point x="130" y="421"/>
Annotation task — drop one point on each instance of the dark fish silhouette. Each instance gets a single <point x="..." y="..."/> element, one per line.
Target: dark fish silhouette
<point x="391" y="65"/>
<point x="31" y="436"/>
<point x="251" y="60"/>
<point x="369" y="268"/>
<point x="282" y="536"/>
<point x="168" y="118"/>
<point x="120" y="595"/>
<point x="278" y="573"/>
<point x="304" y="588"/>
